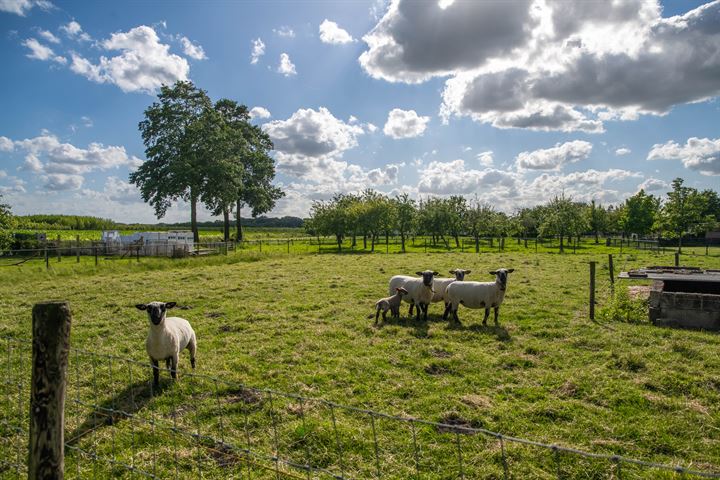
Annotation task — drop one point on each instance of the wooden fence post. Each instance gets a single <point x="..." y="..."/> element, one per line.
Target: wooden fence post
<point x="50" y="349"/>
<point x="95" y="252"/>
<point x="77" y="248"/>
<point x="677" y="259"/>
<point x="47" y="257"/>
<point x="612" y="269"/>
<point x="57" y="247"/>
<point x="592" y="290"/>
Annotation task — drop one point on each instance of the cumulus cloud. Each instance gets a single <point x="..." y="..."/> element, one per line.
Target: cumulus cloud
<point x="622" y="151"/>
<point x="550" y="65"/>
<point x="454" y="178"/>
<point x="74" y="31"/>
<point x="48" y="36"/>
<point x="485" y="158"/>
<point x="6" y="145"/>
<point x="284" y="31"/>
<point x="38" y="51"/>
<point x="554" y="158"/>
<point x="11" y="185"/>
<point x="259" y="112"/>
<point x="699" y="154"/>
<point x="384" y="176"/>
<point x="405" y="124"/>
<point x="286" y="67"/>
<point x="330" y="32"/>
<point x="22" y="7"/>
<point x="143" y="65"/>
<point x="653" y="184"/>
<point x="115" y="190"/>
<point x="258" y="50"/>
<point x="192" y="50"/>
<point x="63" y="165"/>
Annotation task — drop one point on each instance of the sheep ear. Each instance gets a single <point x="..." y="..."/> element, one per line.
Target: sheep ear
<point x="418" y="273"/>
<point x="453" y="272"/>
<point x="141" y="306"/>
<point x="467" y="272"/>
<point x="435" y="274"/>
<point x="169" y="305"/>
<point x="494" y="272"/>
<point x="510" y="270"/>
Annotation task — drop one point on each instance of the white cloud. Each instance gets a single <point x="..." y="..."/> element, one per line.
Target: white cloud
<point x="653" y="184"/>
<point x="87" y="121"/>
<point x="191" y="50"/>
<point x="330" y="32"/>
<point x="258" y="50"/>
<point x="3" y="174"/>
<point x="485" y="158"/>
<point x="550" y="65"/>
<point x="699" y="154"/>
<point x="286" y="67"/>
<point x="143" y="65"/>
<point x="387" y="175"/>
<point x="74" y="30"/>
<point x="115" y="190"/>
<point x="39" y="51"/>
<point x="453" y="178"/>
<point x="405" y="124"/>
<point x="11" y="185"/>
<point x="259" y="112"/>
<point x="622" y="151"/>
<point x="6" y="145"/>
<point x="284" y="31"/>
<point x="63" y="165"/>
<point x="22" y="7"/>
<point x="554" y="158"/>
<point x="48" y="36"/>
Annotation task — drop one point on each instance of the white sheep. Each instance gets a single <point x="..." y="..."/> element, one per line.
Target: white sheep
<point x="440" y="284"/>
<point x="390" y="303"/>
<point x="485" y="295"/>
<point x="167" y="337"/>
<point x="420" y="290"/>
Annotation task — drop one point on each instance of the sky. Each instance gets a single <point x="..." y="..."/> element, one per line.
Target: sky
<point x="506" y="102"/>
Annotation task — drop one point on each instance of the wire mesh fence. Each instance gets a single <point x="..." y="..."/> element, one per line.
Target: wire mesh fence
<point x="118" y="425"/>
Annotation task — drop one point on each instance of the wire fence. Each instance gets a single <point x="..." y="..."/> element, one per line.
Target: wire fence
<point x="118" y="425"/>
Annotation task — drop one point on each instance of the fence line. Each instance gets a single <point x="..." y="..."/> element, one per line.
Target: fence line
<point x="117" y="422"/>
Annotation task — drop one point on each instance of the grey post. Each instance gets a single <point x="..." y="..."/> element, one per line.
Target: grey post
<point x="95" y="252"/>
<point x="47" y="257"/>
<point x="57" y="246"/>
<point x="677" y="259"/>
<point x="50" y="349"/>
<point x="612" y="269"/>
<point x="592" y="290"/>
<point x="77" y="251"/>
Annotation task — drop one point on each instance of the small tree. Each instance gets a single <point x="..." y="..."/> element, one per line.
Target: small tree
<point x="562" y="217"/>
<point x="405" y="210"/>
<point x="682" y="211"/>
<point x="7" y="225"/>
<point x="640" y="213"/>
<point x="597" y="220"/>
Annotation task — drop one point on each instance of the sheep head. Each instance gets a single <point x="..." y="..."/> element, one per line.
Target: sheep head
<point x="156" y="310"/>
<point x="459" y="274"/>
<point x="427" y="277"/>
<point x="501" y="275"/>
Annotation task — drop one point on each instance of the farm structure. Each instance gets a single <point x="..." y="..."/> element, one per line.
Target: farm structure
<point x="682" y="296"/>
<point x="171" y="243"/>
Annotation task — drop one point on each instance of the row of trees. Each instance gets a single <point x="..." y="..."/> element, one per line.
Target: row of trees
<point x="63" y="222"/>
<point x="370" y="215"/>
<point x="204" y="152"/>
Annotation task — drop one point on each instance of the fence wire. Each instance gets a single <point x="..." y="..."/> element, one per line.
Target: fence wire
<point x="118" y="425"/>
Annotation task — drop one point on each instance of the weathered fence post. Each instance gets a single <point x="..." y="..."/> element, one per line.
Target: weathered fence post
<point x="50" y="349"/>
<point x="57" y="249"/>
<point x="677" y="259"/>
<point x="611" y="269"/>
<point x="47" y="257"/>
<point x="95" y="253"/>
<point x="77" y="250"/>
<point x="592" y="290"/>
<point x="288" y="245"/>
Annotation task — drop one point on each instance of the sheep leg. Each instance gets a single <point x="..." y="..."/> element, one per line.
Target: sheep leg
<point x="167" y="363"/>
<point x="418" y="311"/>
<point x="192" y="346"/>
<point x="377" y="315"/>
<point x="156" y="373"/>
<point x="496" y="315"/>
<point x="487" y="314"/>
<point x="425" y="310"/>
<point x="173" y="367"/>
<point x="410" y="312"/>
<point x="448" y="306"/>
<point x="384" y="315"/>
<point x="455" y="316"/>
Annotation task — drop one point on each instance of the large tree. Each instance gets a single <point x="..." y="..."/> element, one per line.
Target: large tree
<point x="639" y="213"/>
<point x="683" y="211"/>
<point x="7" y="224"/>
<point x="176" y="165"/>
<point x="563" y="217"/>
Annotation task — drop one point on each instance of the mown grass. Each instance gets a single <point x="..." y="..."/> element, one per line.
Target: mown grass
<point x="298" y="323"/>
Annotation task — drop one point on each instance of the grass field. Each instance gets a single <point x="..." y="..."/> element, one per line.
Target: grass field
<point x="298" y="323"/>
<point x="251" y="233"/>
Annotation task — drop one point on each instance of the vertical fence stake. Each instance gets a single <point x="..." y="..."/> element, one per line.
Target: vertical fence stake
<point x="77" y="251"/>
<point x="611" y="268"/>
<point x="50" y="348"/>
<point x="677" y="259"/>
<point x="57" y="247"/>
<point x="592" y="290"/>
<point x="95" y="252"/>
<point x="47" y="257"/>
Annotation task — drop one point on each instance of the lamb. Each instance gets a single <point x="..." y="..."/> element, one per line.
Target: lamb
<point x="420" y="290"/>
<point x="477" y="295"/>
<point x="167" y="337"/>
<point x="390" y="303"/>
<point x="441" y="284"/>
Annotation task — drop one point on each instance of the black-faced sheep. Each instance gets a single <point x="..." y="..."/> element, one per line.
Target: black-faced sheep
<point x="485" y="295"/>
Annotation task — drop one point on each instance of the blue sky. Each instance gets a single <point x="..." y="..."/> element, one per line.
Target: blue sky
<point x="511" y="102"/>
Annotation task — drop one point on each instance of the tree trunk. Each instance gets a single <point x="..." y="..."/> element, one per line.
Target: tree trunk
<point x="457" y="241"/>
<point x="226" y="224"/>
<point x="402" y="241"/>
<point x="354" y="242"/>
<point x="193" y="217"/>
<point x="238" y="223"/>
<point x="372" y="242"/>
<point x="365" y="241"/>
<point x="477" y="244"/>
<point x="562" y="236"/>
<point x="680" y="243"/>
<point x="339" y="242"/>
<point x="597" y="237"/>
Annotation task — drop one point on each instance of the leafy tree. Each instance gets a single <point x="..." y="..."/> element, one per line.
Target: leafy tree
<point x="7" y="225"/>
<point x="597" y="219"/>
<point x="480" y="221"/>
<point x="456" y="207"/>
<point x="562" y="217"/>
<point x="683" y="212"/>
<point x="332" y="218"/>
<point x="639" y="213"/>
<point x="176" y="167"/>
<point x="405" y="211"/>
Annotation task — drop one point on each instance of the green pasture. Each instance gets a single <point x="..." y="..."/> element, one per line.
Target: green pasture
<point x="299" y="324"/>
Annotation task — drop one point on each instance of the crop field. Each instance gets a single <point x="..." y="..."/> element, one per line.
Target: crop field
<point x="269" y="322"/>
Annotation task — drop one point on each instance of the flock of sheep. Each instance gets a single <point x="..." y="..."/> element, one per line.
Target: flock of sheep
<point x="168" y="336"/>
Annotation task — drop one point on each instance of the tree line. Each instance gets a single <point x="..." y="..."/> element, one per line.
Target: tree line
<point x="204" y="152"/>
<point x="370" y="215"/>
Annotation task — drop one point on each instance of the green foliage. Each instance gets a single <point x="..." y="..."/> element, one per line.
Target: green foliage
<point x="64" y="222"/>
<point x="621" y="307"/>
<point x="563" y="217"/>
<point x="7" y="225"/>
<point x="639" y="213"/>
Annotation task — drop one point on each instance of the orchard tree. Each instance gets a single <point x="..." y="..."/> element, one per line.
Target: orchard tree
<point x="640" y="213"/>
<point x="597" y="219"/>
<point x="405" y="211"/>
<point x="562" y="217"/>
<point x="7" y="225"/>
<point x="683" y="211"/>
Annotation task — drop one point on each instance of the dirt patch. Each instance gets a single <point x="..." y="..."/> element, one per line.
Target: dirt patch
<point x="440" y="353"/>
<point x="476" y="401"/>
<point x="244" y="395"/>
<point x="214" y="314"/>
<point x="567" y="390"/>
<point x="639" y="292"/>
<point x="454" y="423"/>
<point x="437" y="369"/>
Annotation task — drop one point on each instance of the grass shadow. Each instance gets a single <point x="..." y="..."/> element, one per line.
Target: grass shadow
<point x="122" y="405"/>
<point x="498" y="331"/>
<point x="420" y="327"/>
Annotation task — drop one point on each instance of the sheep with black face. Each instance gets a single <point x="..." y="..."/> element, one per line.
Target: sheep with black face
<point x="420" y="290"/>
<point x="485" y="295"/>
<point x="167" y="337"/>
